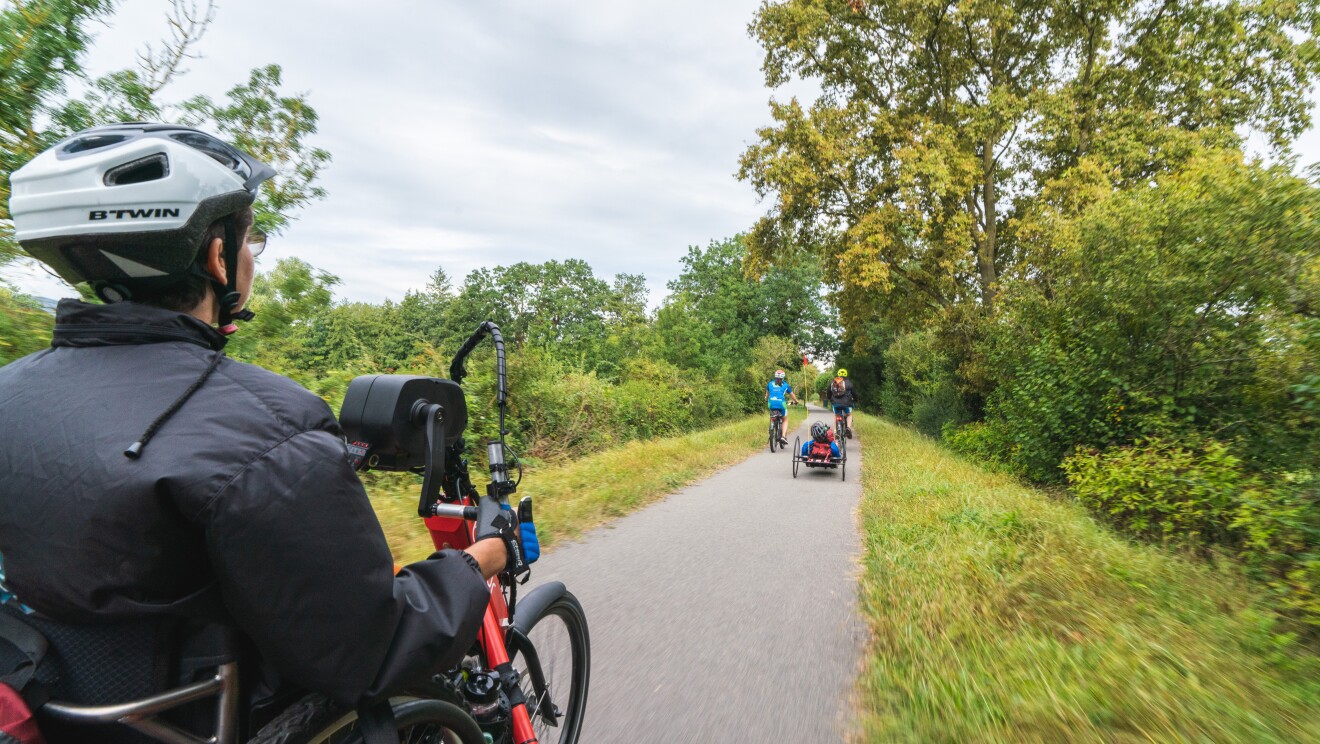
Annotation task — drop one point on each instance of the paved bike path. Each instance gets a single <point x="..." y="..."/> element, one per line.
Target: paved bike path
<point x="727" y="612"/>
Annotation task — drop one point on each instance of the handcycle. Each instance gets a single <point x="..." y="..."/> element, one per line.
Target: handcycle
<point x="831" y="463"/>
<point x="524" y="681"/>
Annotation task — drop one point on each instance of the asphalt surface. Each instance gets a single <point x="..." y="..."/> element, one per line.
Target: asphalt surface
<point x="726" y="612"/>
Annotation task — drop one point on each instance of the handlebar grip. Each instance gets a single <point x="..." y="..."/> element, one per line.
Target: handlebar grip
<point x="456" y="511"/>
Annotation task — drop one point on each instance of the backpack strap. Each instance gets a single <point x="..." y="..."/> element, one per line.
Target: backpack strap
<point x="29" y="642"/>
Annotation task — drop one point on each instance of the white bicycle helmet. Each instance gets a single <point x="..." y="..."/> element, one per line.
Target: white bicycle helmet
<point x="128" y="205"/>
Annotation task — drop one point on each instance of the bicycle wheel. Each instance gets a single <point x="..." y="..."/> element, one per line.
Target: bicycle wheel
<point x="771" y="434"/>
<point x="797" y="454"/>
<point x="315" y="719"/>
<point x="843" y="461"/>
<point x="554" y="659"/>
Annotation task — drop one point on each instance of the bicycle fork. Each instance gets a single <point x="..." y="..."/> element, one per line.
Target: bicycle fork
<point x="497" y="656"/>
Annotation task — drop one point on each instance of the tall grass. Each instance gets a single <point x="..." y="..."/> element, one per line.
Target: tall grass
<point x="573" y="497"/>
<point x="998" y="613"/>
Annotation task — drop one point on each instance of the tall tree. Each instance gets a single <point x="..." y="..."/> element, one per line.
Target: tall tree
<point x="782" y="300"/>
<point x="940" y="122"/>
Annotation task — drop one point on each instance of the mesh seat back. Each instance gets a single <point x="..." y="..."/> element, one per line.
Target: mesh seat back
<point x="114" y="663"/>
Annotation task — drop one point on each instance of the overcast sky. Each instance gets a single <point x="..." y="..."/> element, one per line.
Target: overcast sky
<point x="471" y="133"/>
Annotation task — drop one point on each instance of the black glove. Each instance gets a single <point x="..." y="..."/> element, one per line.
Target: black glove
<point x="496" y="520"/>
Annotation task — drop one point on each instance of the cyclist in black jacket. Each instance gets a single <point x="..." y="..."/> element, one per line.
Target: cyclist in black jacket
<point x="843" y="398"/>
<point x="146" y="474"/>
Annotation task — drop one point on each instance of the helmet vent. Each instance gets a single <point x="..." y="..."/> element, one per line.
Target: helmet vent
<point x="217" y="150"/>
<point x="93" y="142"/>
<point x="142" y="170"/>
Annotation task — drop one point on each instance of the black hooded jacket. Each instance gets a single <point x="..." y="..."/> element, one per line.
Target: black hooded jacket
<point x="243" y="507"/>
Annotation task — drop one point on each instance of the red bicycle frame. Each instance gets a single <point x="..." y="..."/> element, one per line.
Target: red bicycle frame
<point x="452" y="532"/>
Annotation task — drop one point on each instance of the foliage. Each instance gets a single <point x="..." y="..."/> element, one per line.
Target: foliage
<point x="999" y="613"/>
<point x="1205" y="496"/>
<point x="724" y="311"/>
<point x="919" y="384"/>
<point x="41" y="47"/>
<point x="556" y="304"/>
<point x="24" y="326"/>
<point x="1178" y="310"/>
<point x="940" y="124"/>
<point x="1164" y="490"/>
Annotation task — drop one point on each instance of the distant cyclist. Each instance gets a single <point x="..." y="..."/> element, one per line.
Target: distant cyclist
<point x="843" y="397"/>
<point x="775" y="393"/>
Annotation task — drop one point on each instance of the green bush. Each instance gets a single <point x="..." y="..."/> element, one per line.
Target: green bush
<point x="24" y="326"/>
<point x="919" y="385"/>
<point x="979" y="441"/>
<point x="1163" y="490"/>
<point x="1202" y="495"/>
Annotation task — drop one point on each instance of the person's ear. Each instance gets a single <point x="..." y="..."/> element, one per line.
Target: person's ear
<point x="215" y="260"/>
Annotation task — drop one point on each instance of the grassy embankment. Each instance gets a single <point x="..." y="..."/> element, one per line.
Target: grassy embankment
<point x="999" y="613"/>
<point x="575" y="496"/>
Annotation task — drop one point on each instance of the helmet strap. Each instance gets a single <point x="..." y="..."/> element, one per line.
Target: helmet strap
<point x="227" y="293"/>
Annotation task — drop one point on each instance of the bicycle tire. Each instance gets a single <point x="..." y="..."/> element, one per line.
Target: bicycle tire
<point x="843" y="461"/>
<point x="773" y="440"/>
<point x="797" y="454"/>
<point x="315" y="719"/>
<point x="571" y="708"/>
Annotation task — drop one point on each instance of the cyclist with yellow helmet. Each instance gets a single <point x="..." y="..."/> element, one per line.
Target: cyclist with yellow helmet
<point x="843" y="397"/>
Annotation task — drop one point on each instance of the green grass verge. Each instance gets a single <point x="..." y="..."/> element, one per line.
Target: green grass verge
<point x="998" y="613"/>
<point x="573" y="497"/>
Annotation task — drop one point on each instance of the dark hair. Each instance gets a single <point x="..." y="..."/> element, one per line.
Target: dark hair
<point x="191" y="289"/>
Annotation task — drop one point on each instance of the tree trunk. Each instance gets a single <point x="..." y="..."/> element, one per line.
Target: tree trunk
<point x="985" y="250"/>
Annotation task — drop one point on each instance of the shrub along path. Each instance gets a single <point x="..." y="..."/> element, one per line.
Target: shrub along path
<point x="999" y="613"/>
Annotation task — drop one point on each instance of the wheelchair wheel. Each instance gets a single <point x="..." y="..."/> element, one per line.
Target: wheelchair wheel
<point x="797" y="449"/>
<point x="316" y="719"/>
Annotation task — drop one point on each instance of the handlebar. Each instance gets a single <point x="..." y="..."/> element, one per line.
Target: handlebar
<point x="457" y="371"/>
<point x="456" y="511"/>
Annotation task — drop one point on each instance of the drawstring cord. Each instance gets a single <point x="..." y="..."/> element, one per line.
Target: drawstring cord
<point x="134" y="450"/>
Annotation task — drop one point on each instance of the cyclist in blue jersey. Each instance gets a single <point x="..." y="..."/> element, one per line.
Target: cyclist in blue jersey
<point x="775" y="393"/>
